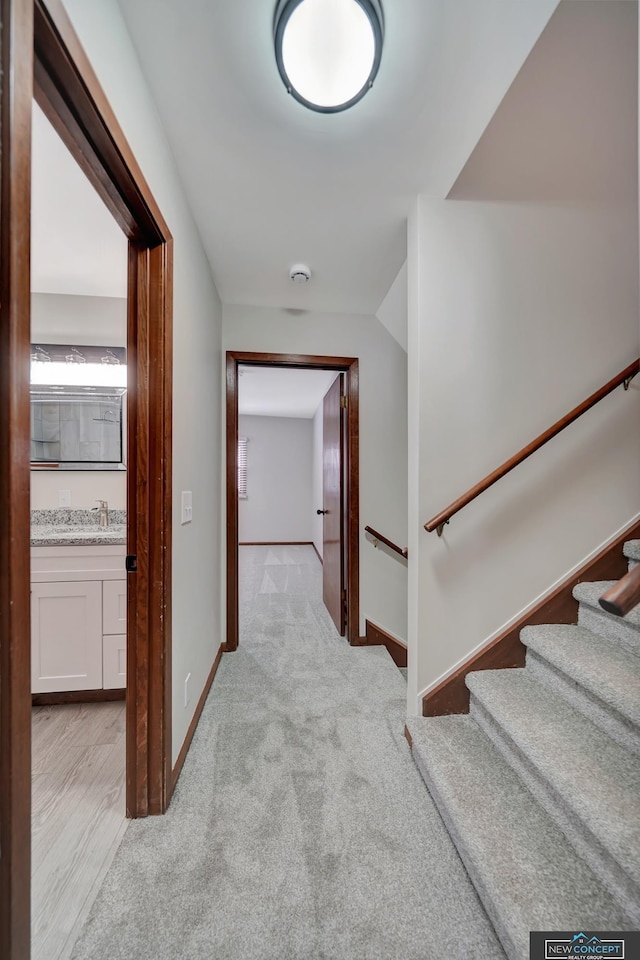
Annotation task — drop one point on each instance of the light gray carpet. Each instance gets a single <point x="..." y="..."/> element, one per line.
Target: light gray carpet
<point x="624" y="630"/>
<point x="521" y="862"/>
<point x="632" y="552"/>
<point x="599" y="678"/>
<point x="551" y="745"/>
<point x="300" y="828"/>
<point x="550" y="755"/>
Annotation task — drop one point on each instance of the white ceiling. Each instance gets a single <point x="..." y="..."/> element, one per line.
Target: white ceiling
<point x="272" y="184"/>
<point x="282" y="392"/>
<point x="76" y="245"/>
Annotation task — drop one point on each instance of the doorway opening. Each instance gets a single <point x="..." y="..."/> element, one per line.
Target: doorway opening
<point x="78" y="541"/>
<point x="340" y="514"/>
<point x="42" y="58"/>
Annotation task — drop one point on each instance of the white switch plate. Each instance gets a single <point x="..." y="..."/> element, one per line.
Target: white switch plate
<point x="187" y="695"/>
<point x="64" y="498"/>
<point x="187" y="506"/>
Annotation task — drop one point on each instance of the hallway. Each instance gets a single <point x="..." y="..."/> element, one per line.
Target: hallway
<point x="300" y="827"/>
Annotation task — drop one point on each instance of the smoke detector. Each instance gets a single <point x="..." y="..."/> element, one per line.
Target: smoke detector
<point x="299" y="273"/>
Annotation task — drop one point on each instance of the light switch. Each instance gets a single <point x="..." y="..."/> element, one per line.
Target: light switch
<point x="187" y="506"/>
<point x="64" y="498"/>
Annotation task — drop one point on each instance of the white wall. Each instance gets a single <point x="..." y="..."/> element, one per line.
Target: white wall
<point x="60" y="318"/>
<point x="383" y="437"/>
<point x="278" y="508"/>
<point x="100" y="321"/>
<point x="84" y="486"/>
<point x="523" y="300"/>
<point x="392" y="312"/>
<point x="517" y="313"/>
<point x="317" y="478"/>
<point x="197" y="416"/>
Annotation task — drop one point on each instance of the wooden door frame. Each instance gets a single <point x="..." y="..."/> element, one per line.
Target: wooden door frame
<point x="41" y="57"/>
<point x="348" y="366"/>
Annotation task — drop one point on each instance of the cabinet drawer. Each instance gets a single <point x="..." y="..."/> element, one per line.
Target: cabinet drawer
<point x="114" y="662"/>
<point x="66" y="636"/>
<point x="114" y="606"/>
<point x="77" y="563"/>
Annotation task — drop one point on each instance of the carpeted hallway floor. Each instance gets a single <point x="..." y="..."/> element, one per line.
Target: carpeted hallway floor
<point x="300" y="828"/>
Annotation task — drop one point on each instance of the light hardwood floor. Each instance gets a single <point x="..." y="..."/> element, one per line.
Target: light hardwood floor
<point x="78" y="818"/>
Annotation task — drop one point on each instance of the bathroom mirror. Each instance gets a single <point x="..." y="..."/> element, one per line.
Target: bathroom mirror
<point x="77" y="407"/>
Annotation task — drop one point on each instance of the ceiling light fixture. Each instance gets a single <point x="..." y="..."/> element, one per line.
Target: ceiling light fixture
<point x="328" y="51"/>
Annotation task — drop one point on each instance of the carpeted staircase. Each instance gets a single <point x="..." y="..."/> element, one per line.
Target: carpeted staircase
<point x="540" y="785"/>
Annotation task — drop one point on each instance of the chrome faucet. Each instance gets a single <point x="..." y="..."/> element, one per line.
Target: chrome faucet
<point x="104" y="512"/>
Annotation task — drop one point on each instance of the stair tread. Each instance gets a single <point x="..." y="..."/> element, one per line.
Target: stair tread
<point x="594" y="775"/>
<point x="631" y="549"/>
<point x="607" y="670"/>
<point x="519" y="859"/>
<point x="590" y="592"/>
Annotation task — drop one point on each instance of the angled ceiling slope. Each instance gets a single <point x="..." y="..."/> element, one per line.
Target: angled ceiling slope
<point x="271" y="183"/>
<point x="555" y="137"/>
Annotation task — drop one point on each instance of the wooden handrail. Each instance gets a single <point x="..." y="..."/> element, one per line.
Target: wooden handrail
<point x="404" y="552"/>
<point x="624" y="595"/>
<point x="624" y="377"/>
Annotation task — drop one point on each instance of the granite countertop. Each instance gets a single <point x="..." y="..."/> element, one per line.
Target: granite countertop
<point x="55" y="528"/>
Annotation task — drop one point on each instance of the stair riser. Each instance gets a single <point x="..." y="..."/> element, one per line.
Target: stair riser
<point x="500" y="925"/>
<point x="586" y="845"/>
<point x="609" y="626"/>
<point x="620" y="729"/>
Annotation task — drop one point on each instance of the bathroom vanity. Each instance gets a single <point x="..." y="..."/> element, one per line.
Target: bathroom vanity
<point x="78" y="604"/>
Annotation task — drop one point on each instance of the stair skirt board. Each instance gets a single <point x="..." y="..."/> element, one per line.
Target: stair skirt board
<point x="560" y="606"/>
<point x="545" y="849"/>
<point x="377" y="637"/>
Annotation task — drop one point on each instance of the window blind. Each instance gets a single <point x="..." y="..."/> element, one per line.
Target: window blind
<point x="242" y="468"/>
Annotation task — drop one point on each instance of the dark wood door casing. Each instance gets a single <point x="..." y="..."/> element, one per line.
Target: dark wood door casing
<point x="41" y="56"/>
<point x="350" y="367"/>
<point x="68" y="91"/>
<point x="149" y="781"/>
<point x="332" y="520"/>
<point x="16" y="73"/>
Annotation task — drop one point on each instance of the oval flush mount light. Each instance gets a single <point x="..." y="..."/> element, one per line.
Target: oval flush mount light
<point x="328" y="51"/>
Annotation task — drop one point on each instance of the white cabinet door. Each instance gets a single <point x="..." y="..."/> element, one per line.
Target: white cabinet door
<point x="114" y="662"/>
<point x="66" y="636"/>
<point x="114" y="606"/>
<point x="114" y="641"/>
